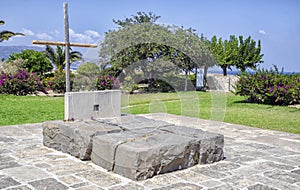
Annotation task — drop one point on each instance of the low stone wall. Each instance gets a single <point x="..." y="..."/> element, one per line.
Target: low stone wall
<point x="221" y="83"/>
<point x="134" y="146"/>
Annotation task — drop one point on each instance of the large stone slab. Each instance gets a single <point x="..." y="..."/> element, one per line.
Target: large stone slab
<point x="74" y="137"/>
<point x="132" y="122"/>
<point x="92" y="104"/>
<point x="141" y="154"/>
<point x="211" y="144"/>
<point x="134" y="146"/>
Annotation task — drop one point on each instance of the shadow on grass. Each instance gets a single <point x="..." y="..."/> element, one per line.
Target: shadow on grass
<point x="269" y="106"/>
<point x="240" y="102"/>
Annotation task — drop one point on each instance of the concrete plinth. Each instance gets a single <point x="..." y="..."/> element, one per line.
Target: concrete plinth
<point x="92" y="105"/>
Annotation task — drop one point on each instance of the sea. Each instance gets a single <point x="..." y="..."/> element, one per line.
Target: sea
<point x="238" y="72"/>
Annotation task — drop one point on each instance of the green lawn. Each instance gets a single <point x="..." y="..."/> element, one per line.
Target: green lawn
<point x="29" y="109"/>
<point x="226" y="107"/>
<point x="216" y="106"/>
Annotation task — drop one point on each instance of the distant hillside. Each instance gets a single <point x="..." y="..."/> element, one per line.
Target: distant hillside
<point x="5" y="51"/>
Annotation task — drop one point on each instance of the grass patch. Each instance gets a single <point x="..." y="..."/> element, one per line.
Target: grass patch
<point x="226" y="107"/>
<point x="30" y="109"/>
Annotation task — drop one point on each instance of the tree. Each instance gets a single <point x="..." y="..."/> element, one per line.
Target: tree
<point x="58" y="59"/>
<point x="140" y="18"/>
<point x="153" y="47"/>
<point x="225" y="52"/>
<point x="88" y="69"/>
<point x="5" y="34"/>
<point x="236" y="52"/>
<point x="34" y="61"/>
<point x="248" y="54"/>
<point x="86" y="77"/>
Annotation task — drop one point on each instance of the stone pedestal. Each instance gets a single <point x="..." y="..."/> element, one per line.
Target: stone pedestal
<point x="133" y="146"/>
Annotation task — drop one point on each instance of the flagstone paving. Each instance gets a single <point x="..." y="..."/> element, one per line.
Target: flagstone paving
<point x="255" y="159"/>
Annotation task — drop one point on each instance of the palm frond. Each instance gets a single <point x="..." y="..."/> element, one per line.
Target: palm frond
<point x="5" y="35"/>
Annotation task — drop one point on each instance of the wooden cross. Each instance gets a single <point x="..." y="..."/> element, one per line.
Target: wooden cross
<point x="67" y="45"/>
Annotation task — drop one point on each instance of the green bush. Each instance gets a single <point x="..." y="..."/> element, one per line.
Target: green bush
<point x="57" y="83"/>
<point x="107" y="83"/>
<point x="21" y="83"/>
<point x="88" y="69"/>
<point x="12" y="67"/>
<point x="33" y="61"/>
<point x="269" y="87"/>
<point x="86" y="77"/>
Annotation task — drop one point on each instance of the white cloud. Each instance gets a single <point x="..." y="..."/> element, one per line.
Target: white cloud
<point x="27" y="32"/>
<point x="44" y="36"/>
<point x="262" y="32"/>
<point x="55" y="33"/>
<point x="84" y="38"/>
<point x="92" y="33"/>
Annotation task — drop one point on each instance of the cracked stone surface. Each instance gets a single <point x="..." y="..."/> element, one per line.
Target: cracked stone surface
<point x="74" y="138"/>
<point x="134" y="146"/>
<point x="251" y="163"/>
<point x="143" y="154"/>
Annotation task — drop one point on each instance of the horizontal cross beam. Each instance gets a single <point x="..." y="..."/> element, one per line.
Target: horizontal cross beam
<point x="63" y="44"/>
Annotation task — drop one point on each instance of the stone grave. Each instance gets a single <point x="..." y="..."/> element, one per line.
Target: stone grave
<point x="132" y="146"/>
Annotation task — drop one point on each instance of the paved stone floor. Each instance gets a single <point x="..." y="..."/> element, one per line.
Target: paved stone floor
<point x="256" y="159"/>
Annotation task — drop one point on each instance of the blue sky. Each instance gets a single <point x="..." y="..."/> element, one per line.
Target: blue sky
<point x="275" y="22"/>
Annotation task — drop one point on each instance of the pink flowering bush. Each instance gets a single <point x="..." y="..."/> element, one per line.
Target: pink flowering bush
<point x="107" y="83"/>
<point x="20" y="84"/>
<point x="269" y="87"/>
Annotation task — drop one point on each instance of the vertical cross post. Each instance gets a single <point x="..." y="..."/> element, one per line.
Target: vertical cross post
<point x="67" y="47"/>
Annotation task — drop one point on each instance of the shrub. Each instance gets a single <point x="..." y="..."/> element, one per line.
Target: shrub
<point x="86" y="77"/>
<point x="21" y="83"/>
<point x="88" y="69"/>
<point x="84" y="83"/>
<point x="107" y="83"/>
<point x="33" y="61"/>
<point x="12" y="67"/>
<point x="269" y="87"/>
<point x="57" y="83"/>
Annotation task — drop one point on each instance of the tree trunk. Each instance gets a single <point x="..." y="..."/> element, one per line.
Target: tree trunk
<point x="224" y="70"/>
<point x="186" y="79"/>
<point x="205" y="75"/>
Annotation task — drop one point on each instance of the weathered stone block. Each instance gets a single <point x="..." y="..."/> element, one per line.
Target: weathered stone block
<point x="134" y="146"/>
<point x="141" y="154"/>
<point x="211" y="144"/>
<point x="132" y="122"/>
<point x="75" y="137"/>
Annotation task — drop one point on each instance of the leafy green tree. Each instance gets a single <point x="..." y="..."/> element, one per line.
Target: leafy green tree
<point x="140" y="18"/>
<point x="154" y="47"/>
<point x="88" y="69"/>
<point x="236" y="52"/>
<point x="248" y="54"/>
<point x="58" y="59"/>
<point x="225" y="52"/>
<point x="5" y="34"/>
<point x="34" y="61"/>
